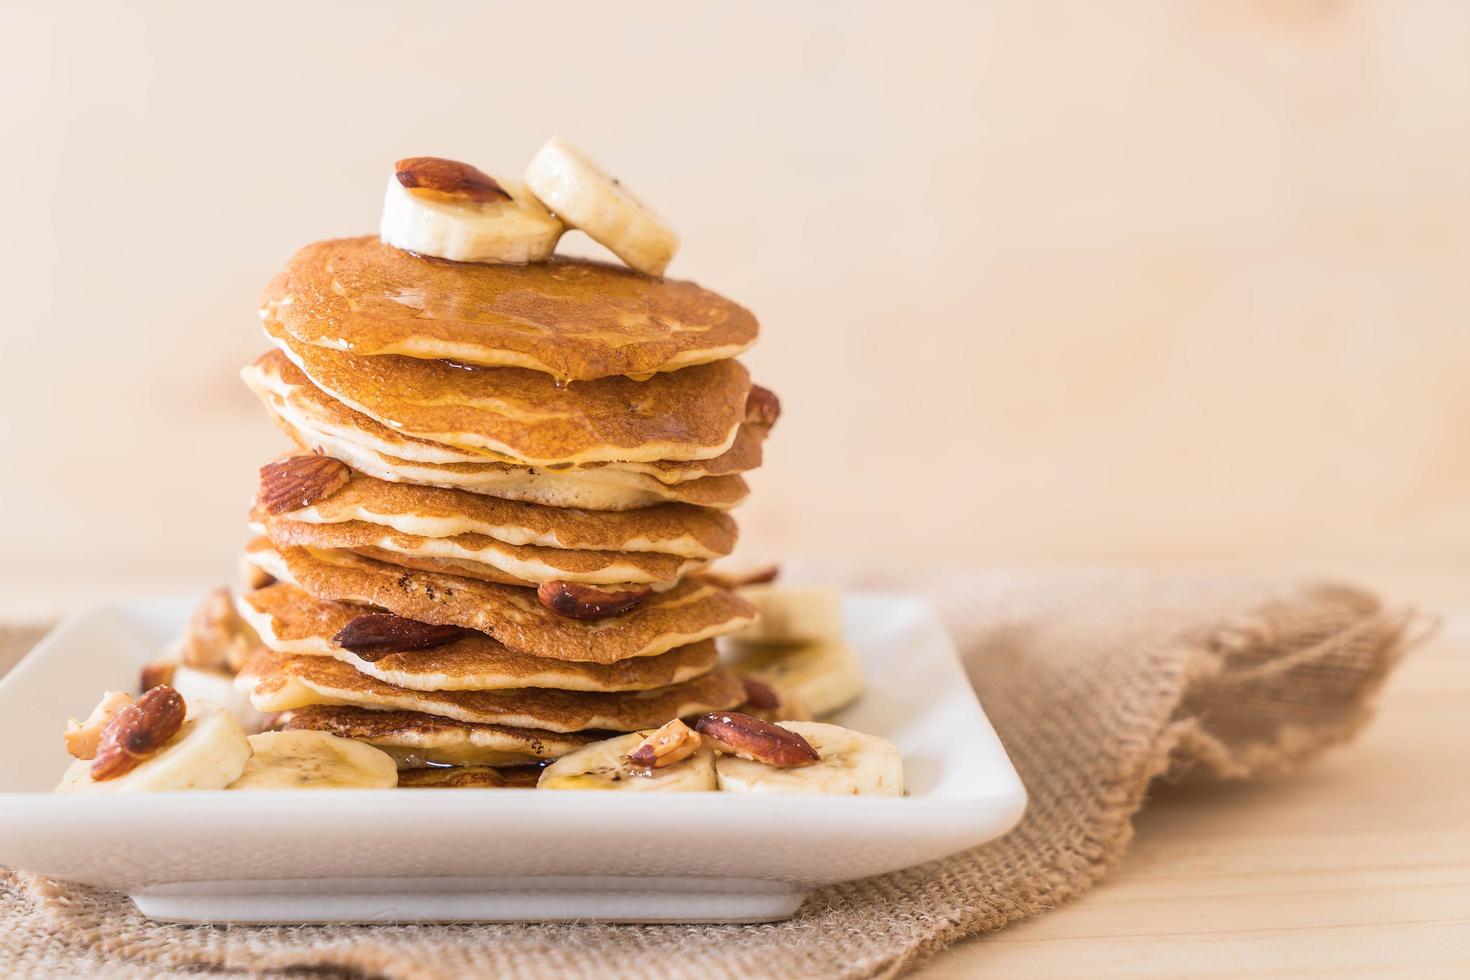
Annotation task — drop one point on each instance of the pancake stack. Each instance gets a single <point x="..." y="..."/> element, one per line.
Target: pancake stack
<point x="487" y="549"/>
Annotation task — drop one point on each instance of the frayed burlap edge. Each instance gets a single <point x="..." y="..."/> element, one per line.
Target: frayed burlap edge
<point x="1307" y="666"/>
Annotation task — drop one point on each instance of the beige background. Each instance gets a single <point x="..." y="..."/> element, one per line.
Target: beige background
<point x="1101" y="282"/>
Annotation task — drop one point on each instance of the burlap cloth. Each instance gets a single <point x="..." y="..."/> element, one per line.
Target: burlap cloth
<point x="1097" y="684"/>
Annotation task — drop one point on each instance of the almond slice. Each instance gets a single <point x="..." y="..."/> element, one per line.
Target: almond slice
<point x="137" y="732"/>
<point x="448" y="180"/>
<point x="759" y="741"/>
<point x="300" y="481"/>
<point x="372" y="636"/>
<point x="587" y="602"/>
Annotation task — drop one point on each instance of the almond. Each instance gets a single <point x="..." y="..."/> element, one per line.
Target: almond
<point x="586" y="602"/>
<point x="448" y="180"/>
<point x="759" y="741"/>
<point x="373" y="636"/>
<point x="137" y="732"/>
<point x="762" y="407"/>
<point x="760" y="695"/>
<point x="670" y="744"/>
<point x="82" y="736"/>
<point x="300" y="481"/>
<point x="739" y="578"/>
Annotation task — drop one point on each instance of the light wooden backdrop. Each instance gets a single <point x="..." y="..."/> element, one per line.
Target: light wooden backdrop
<point x="1082" y="281"/>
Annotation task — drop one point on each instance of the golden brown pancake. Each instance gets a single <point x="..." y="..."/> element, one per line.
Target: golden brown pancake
<point x="415" y="739"/>
<point x="667" y="529"/>
<point x="289" y="394"/>
<point x="481" y="556"/>
<point x="281" y="682"/>
<point x="525" y="415"/>
<point x="592" y="489"/>
<point x="292" y="622"/>
<point x="689" y="612"/>
<point x="570" y="318"/>
<point x="470" y="777"/>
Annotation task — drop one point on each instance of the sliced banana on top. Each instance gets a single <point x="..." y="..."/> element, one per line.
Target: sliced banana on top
<point x="209" y="752"/>
<point x="584" y="197"/>
<point x="604" y="765"/>
<point x="792" y="614"/>
<point x="824" y="676"/>
<point x="453" y="211"/>
<point x="196" y="684"/>
<point x="314" y="760"/>
<point x="851" y="764"/>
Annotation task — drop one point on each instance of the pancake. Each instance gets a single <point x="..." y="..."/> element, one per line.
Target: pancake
<point x="414" y="739"/>
<point x="667" y="529"/>
<point x="470" y="777"/>
<point x="525" y="415"/>
<point x="281" y="682"/>
<point x="303" y="404"/>
<point x="689" y="612"/>
<point x="573" y="319"/>
<point x="290" y="621"/>
<point x="482" y="556"/>
<point x="604" y="490"/>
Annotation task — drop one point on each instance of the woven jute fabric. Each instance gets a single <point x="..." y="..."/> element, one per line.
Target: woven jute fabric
<point x="1097" y="684"/>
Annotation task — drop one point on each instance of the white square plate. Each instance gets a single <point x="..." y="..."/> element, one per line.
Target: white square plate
<point x="496" y="854"/>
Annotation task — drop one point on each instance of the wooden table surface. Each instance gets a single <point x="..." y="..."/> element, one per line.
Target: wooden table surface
<point x="1359" y="866"/>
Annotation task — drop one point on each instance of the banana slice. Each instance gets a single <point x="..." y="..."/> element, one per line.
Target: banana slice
<point x="602" y="765"/>
<point x="315" y="760"/>
<point x="825" y="676"/>
<point x="852" y="764"/>
<point x="211" y="685"/>
<point x="453" y="211"/>
<point x="584" y="197"/>
<point x="209" y="752"/>
<point x="792" y="614"/>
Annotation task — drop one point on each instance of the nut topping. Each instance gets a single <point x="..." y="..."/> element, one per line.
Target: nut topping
<point x="762" y="407"/>
<point x="156" y="674"/>
<point x="769" y="703"/>
<point x="737" y="578"/>
<point x="448" y="180"/>
<point x="138" y="731"/>
<point x="300" y="481"/>
<point x="759" y="741"/>
<point x="587" y="602"/>
<point x="672" y="743"/>
<point x="760" y="695"/>
<point x="82" y="737"/>
<point x="217" y="637"/>
<point x="372" y="636"/>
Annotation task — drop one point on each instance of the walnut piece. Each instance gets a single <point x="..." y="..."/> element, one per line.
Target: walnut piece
<point x="217" y="637"/>
<point x="82" y="736"/>
<point x="672" y="743"/>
